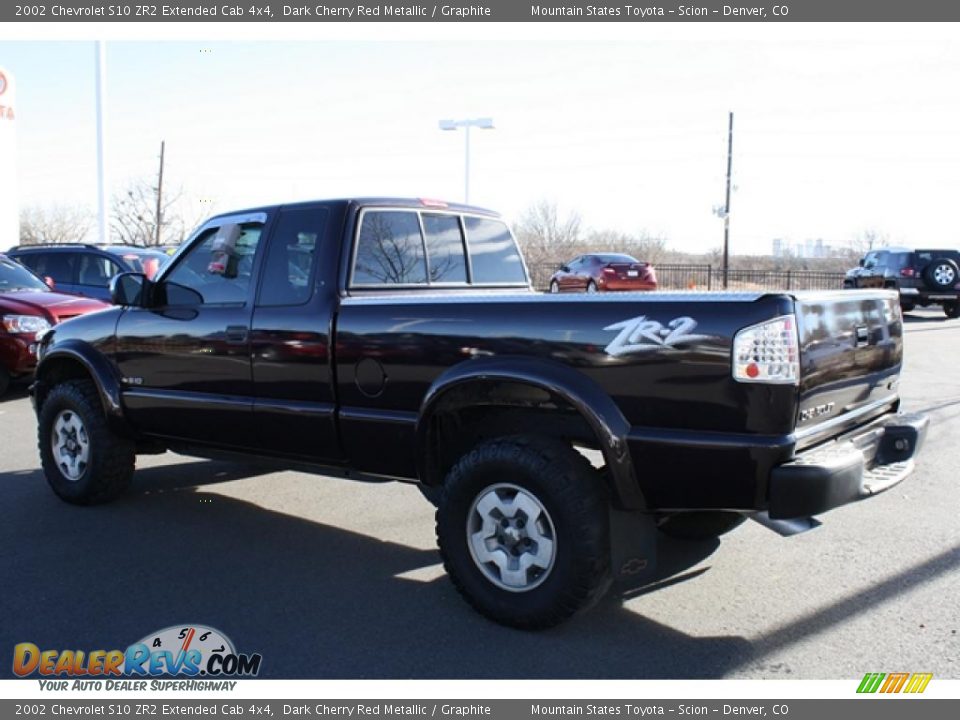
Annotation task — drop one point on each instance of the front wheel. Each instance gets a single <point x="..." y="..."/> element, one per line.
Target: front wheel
<point x="85" y="462"/>
<point x="554" y="287"/>
<point x="523" y="530"/>
<point x="951" y="309"/>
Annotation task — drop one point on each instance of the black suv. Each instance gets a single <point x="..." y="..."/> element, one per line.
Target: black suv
<point x="86" y="269"/>
<point x="923" y="277"/>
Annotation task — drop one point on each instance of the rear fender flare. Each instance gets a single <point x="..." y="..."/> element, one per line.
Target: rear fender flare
<point x="592" y="403"/>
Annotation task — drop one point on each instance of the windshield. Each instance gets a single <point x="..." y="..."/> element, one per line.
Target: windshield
<point x="15" y="277"/>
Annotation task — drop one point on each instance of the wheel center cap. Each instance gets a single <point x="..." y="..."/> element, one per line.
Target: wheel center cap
<point x="512" y="535"/>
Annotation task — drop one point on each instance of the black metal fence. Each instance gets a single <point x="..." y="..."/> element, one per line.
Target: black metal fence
<point x="707" y="277"/>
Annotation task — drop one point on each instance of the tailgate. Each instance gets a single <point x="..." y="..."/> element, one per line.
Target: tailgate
<point x="851" y="348"/>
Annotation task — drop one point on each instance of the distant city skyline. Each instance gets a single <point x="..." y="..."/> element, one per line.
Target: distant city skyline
<point x="837" y="128"/>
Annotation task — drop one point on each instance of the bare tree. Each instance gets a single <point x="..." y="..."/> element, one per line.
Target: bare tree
<point x="54" y="225"/>
<point x="643" y="246"/>
<point x="134" y="217"/>
<point x="543" y="235"/>
<point x="865" y="241"/>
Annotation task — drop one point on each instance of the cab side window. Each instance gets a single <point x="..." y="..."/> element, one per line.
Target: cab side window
<point x="219" y="266"/>
<point x="389" y="250"/>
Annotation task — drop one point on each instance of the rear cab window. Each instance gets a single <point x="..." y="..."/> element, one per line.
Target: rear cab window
<point x="428" y="248"/>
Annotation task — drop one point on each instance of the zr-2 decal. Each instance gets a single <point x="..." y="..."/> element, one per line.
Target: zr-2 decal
<point x="640" y="334"/>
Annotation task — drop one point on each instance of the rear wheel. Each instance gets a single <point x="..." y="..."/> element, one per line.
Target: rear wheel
<point x="591" y="287"/>
<point x="523" y="530"/>
<point x="4" y="382"/>
<point x="951" y="309"/>
<point x="698" y="526"/>
<point x="84" y="461"/>
<point x="554" y="287"/>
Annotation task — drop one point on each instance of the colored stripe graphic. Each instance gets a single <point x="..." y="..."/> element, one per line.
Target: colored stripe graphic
<point x="870" y="682"/>
<point x="918" y="682"/>
<point x="894" y="682"/>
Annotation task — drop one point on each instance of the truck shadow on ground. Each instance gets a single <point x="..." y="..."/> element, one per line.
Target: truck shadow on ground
<point x="317" y="601"/>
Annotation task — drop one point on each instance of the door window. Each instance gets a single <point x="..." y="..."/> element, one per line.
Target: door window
<point x="290" y="263"/>
<point x="96" y="271"/>
<point x="219" y="266"/>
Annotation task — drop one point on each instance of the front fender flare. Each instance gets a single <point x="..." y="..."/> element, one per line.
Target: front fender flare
<point x="97" y="367"/>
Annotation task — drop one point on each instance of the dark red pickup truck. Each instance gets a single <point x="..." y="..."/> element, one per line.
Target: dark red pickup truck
<point x="399" y="339"/>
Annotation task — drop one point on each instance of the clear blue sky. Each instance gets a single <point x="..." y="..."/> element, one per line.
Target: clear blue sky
<point x="838" y="128"/>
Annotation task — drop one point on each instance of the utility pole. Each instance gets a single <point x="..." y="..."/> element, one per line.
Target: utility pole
<point x="156" y="240"/>
<point x="726" y="207"/>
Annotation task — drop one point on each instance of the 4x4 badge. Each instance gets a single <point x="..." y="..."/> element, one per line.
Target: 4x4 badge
<point x="640" y="334"/>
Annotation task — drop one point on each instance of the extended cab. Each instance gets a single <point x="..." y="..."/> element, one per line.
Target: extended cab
<point x="400" y="339"/>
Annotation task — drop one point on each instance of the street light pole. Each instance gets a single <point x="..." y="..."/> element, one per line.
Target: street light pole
<point x="483" y="124"/>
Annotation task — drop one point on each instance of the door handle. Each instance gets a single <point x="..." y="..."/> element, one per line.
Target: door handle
<point x="236" y="334"/>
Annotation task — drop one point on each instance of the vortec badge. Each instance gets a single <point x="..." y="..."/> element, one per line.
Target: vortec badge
<point x="816" y="411"/>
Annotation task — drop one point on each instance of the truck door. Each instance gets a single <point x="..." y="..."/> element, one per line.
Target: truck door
<point x="294" y="409"/>
<point x="185" y="361"/>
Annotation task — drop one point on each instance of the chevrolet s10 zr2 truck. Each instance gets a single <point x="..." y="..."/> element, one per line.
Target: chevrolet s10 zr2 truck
<point x="401" y="340"/>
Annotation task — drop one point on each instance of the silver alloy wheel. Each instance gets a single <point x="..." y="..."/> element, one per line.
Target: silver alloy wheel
<point x="944" y="275"/>
<point x="554" y="288"/>
<point x="591" y="287"/>
<point x="70" y="445"/>
<point x="511" y="537"/>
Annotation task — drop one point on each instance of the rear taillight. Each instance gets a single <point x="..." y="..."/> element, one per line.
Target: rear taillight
<point x="768" y="353"/>
<point x="609" y="271"/>
<point x="908" y="272"/>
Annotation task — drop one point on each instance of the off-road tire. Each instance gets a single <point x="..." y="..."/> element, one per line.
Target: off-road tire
<point x="700" y="525"/>
<point x="109" y="470"/>
<point x="575" y="498"/>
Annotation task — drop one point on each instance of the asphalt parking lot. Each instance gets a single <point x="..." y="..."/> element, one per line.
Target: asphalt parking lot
<point x="333" y="579"/>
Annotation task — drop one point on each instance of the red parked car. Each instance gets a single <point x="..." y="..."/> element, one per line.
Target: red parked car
<point x="606" y="271"/>
<point x="27" y="307"/>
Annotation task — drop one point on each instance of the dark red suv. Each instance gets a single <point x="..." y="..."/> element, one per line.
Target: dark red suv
<point x="27" y="307"/>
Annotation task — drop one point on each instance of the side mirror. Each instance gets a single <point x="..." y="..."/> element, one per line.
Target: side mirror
<point x="49" y="281"/>
<point x="127" y="289"/>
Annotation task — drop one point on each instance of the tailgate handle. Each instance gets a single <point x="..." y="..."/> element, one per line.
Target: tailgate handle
<point x="863" y="335"/>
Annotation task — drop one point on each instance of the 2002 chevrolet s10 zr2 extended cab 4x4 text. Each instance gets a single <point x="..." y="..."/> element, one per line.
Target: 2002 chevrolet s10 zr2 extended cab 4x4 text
<point x="400" y="339"/>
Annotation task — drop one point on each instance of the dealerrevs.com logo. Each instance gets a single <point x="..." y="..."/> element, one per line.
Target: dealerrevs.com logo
<point x="191" y="651"/>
